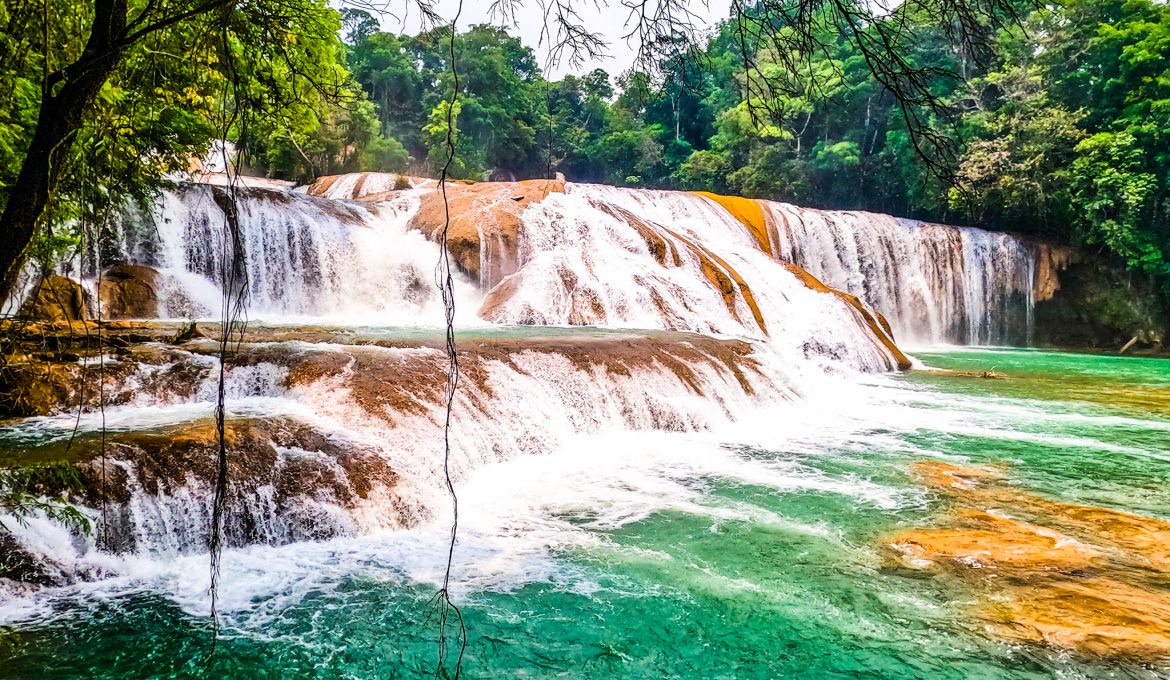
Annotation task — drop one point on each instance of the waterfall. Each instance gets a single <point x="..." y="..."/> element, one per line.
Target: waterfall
<point x="935" y="283"/>
<point x="696" y="312"/>
<point x="303" y="256"/>
<point x="655" y="259"/>
<point x="325" y="438"/>
<point x="590" y="255"/>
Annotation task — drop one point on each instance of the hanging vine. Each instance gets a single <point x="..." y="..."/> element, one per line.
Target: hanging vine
<point x="446" y="283"/>
<point x="234" y="286"/>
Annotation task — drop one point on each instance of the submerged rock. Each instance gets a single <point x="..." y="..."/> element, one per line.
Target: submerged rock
<point x="1080" y="578"/>
<point x="976" y="539"/>
<point x="1095" y="616"/>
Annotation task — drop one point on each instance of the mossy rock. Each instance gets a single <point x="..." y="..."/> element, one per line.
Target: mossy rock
<point x="1101" y="306"/>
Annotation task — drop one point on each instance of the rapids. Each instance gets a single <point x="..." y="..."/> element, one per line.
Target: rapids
<point x="748" y="549"/>
<point x="680" y="444"/>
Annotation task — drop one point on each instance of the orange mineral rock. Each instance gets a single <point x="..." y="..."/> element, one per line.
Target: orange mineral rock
<point x="1076" y="577"/>
<point x="484" y="232"/>
<point x="1099" y="617"/>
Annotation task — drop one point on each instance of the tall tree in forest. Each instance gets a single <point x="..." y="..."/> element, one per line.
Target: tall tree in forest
<point x="1073" y="130"/>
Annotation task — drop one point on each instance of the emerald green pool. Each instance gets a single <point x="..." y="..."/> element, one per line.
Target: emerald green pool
<point x="755" y="552"/>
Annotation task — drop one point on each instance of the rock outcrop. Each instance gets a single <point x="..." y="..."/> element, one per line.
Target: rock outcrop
<point x="1051" y="261"/>
<point x="50" y="368"/>
<point x="1079" y="578"/>
<point x="129" y="291"/>
<point x="876" y="323"/>
<point x="483" y="237"/>
<point x="364" y="185"/>
<point x="68" y="376"/>
<point x="751" y="214"/>
<point x="288" y="482"/>
<point x="55" y="298"/>
<point x="1096" y="304"/>
<point x="297" y="477"/>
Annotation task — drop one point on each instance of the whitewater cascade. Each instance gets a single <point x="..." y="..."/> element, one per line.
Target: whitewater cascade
<point x="697" y="307"/>
<point x="303" y="257"/>
<point x="325" y="430"/>
<point x="583" y="261"/>
<point x="935" y="283"/>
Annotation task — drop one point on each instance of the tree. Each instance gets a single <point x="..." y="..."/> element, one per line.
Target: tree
<point x="83" y="122"/>
<point x="357" y="24"/>
<point x="1015" y="173"/>
<point x="884" y="93"/>
<point x="1072" y="131"/>
<point x="384" y="154"/>
<point x="444" y="117"/>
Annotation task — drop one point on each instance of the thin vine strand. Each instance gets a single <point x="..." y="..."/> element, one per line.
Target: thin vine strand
<point x="233" y="278"/>
<point x="446" y="284"/>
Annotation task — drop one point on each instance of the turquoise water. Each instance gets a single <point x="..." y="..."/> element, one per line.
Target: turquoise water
<point x="757" y="552"/>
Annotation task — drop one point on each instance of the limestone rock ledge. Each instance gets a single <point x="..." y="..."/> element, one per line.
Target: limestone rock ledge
<point x="150" y="491"/>
<point x="1083" y="579"/>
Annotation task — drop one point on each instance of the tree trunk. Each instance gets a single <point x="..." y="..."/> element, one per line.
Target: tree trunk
<point x="67" y="94"/>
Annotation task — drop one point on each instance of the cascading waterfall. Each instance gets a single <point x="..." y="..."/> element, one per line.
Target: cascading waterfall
<point x="604" y="256"/>
<point x="326" y="431"/>
<point x="935" y="283"/>
<point x="324" y="436"/>
<point x="347" y="260"/>
<point x="303" y="256"/>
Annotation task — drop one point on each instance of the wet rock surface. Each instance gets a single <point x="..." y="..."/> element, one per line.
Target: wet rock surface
<point x="151" y="490"/>
<point x="53" y="367"/>
<point x="874" y="322"/>
<point x="1084" y="579"/>
<point x="55" y="298"/>
<point x="129" y="291"/>
<point x="483" y="236"/>
<point x="751" y="214"/>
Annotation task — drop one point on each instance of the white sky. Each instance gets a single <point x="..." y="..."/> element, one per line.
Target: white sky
<point x="607" y="17"/>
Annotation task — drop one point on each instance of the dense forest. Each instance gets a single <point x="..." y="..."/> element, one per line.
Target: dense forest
<point x="1058" y="126"/>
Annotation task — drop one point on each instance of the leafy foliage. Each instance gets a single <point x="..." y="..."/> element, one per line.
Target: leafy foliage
<point x="1075" y="137"/>
<point x="270" y="76"/>
<point x="1062" y="121"/>
<point x="41" y="489"/>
